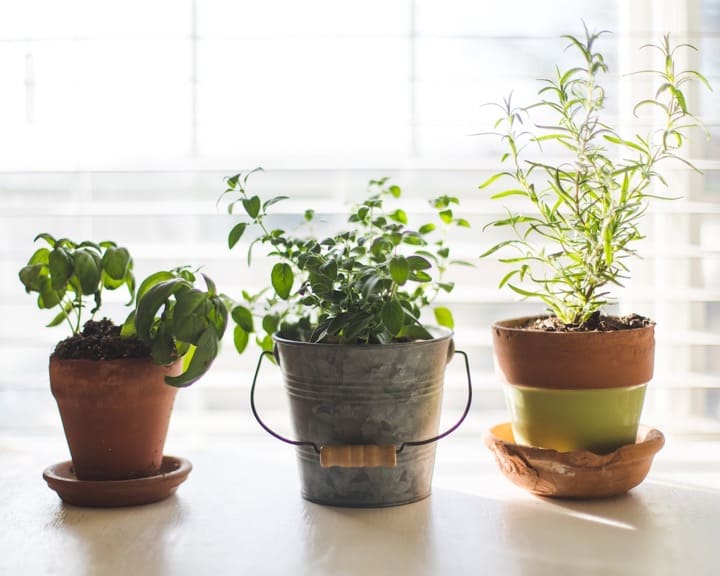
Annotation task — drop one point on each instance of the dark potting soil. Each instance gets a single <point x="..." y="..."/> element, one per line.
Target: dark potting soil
<point x="596" y="323"/>
<point x="100" y="340"/>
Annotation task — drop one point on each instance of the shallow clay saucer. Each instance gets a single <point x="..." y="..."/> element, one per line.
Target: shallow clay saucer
<point x="112" y="493"/>
<point x="578" y="474"/>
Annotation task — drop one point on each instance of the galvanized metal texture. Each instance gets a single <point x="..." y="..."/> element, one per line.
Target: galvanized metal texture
<point x="360" y="395"/>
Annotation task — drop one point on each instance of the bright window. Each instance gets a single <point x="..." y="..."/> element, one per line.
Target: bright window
<point x="120" y="119"/>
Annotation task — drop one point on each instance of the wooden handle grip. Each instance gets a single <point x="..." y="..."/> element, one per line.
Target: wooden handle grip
<point x="358" y="456"/>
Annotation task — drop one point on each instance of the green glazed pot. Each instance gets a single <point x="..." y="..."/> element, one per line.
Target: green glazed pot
<point x="574" y="390"/>
<point x="599" y="420"/>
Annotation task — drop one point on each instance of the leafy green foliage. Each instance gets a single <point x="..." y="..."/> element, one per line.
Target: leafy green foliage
<point x="368" y="283"/>
<point x="177" y="319"/>
<point x="64" y="274"/>
<point x="171" y="316"/>
<point x="581" y="217"/>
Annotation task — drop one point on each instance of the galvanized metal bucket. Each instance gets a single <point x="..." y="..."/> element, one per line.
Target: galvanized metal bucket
<point x="366" y="417"/>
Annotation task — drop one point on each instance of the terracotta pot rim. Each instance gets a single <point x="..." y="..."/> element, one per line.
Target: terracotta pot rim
<point x="598" y="359"/>
<point x="135" y="360"/>
<point x="512" y="325"/>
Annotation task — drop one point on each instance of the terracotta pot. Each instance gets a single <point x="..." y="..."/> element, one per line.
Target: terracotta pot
<point x="115" y="414"/>
<point x="574" y="390"/>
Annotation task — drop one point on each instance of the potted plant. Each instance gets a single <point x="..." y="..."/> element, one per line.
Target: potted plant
<point x="576" y="378"/>
<point x="363" y="372"/>
<point x="111" y="382"/>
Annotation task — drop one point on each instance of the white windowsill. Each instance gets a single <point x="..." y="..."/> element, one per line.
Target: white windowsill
<point x="240" y="512"/>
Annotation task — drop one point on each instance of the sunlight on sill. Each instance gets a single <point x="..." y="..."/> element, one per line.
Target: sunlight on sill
<point x="594" y="518"/>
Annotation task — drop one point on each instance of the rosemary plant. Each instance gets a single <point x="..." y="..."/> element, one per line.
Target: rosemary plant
<point x="580" y="217"/>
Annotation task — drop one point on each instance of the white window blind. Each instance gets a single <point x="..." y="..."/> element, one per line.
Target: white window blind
<point x="120" y="121"/>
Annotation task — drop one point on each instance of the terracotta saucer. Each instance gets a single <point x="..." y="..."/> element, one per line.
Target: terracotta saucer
<point x="578" y="474"/>
<point x="112" y="493"/>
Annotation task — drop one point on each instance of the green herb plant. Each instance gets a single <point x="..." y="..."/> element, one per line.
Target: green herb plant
<point x="580" y="216"/>
<point x="171" y="316"/>
<point x="176" y="319"/>
<point x="366" y="284"/>
<point x="64" y="274"/>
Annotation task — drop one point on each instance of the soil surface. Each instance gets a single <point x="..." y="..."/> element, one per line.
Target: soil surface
<point x="100" y="340"/>
<point x="596" y="323"/>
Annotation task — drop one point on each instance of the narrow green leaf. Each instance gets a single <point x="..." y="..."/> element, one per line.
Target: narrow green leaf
<point x="492" y="179"/>
<point x="236" y="233"/>
<point x="240" y="339"/>
<point x="608" y="249"/>
<point x="506" y="193"/>
<point x="497" y="247"/>
<point x="272" y="201"/>
<point x="47" y="237"/>
<point x="128" y="328"/>
<point x="61" y="316"/>
<point x="508" y="277"/>
<point x="680" y="98"/>
<point x="462" y="263"/>
<point x="700" y="77"/>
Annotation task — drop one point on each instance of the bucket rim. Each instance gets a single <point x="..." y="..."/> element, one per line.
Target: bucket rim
<point x="440" y="334"/>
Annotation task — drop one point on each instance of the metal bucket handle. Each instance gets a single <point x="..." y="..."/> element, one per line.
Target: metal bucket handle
<point x="360" y="455"/>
